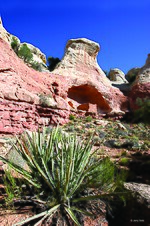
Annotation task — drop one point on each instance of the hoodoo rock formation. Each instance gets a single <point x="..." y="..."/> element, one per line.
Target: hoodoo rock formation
<point x="141" y="86"/>
<point x="87" y="82"/>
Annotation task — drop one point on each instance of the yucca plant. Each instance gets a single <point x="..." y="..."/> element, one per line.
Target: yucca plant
<point x="63" y="173"/>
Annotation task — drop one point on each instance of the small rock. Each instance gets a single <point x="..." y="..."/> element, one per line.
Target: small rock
<point x="120" y="126"/>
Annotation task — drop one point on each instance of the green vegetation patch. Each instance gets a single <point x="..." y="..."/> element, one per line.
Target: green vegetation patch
<point x="143" y="113"/>
<point x="62" y="176"/>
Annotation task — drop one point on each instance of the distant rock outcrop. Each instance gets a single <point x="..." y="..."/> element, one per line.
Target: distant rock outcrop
<point x="87" y="82"/>
<point x="38" y="56"/>
<point x="141" y="86"/>
<point x="117" y="78"/>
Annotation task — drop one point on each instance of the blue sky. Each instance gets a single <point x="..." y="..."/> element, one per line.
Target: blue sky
<point x="122" y="28"/>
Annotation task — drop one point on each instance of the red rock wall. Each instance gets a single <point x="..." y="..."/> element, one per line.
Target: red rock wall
<point x="15" y="117"/>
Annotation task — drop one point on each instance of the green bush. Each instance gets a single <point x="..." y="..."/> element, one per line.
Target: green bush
<point x="132" y="74"/>
<point x="25" y="53"/>
<point x="88" y="119"/>
<point x="72" y="117"/>
<point x="63" y="175"/>
<point x="123" y="153"/>
<point x="10" y="187"/>
<point x="15" y="44"/>
<point x="124" y="161"/>
<point x="36" y="65"/>
<point x="52" y="63"/>
<point x="143" y="113"/>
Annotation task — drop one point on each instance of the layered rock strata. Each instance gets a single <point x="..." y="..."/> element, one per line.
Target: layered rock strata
<point x="28" y="98"/>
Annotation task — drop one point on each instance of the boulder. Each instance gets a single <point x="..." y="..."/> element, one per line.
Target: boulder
<point x="141" y="191"/>
<point x="141" y="86"/>
<point x="117" y="78"/>
<point x="87" y="81"/>
<point x="136" y="209"/>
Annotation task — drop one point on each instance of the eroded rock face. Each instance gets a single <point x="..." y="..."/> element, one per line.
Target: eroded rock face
<point x="3" y="33"/>
<point x="28" y="98"/>
<point x="38" y="56"/>
<point x="87" y="82"/>
<point x="141" y="86"/>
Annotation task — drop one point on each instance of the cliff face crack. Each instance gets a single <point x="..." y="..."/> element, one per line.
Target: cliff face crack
<point x="5" y="69"/>
<point x="88" y="94"/>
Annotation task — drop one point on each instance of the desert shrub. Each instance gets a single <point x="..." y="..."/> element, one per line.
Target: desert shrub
<point x="123" y="153"/>
<point x="124" y="161"/>
<point x="10" y="187"/>
<point x="36" y="65"/>
<point x="131" y="78"/>
<point x="15" y="44"/>
<point x="25" y="53"/>
<point x="88" y="118"/>
<point x="71" y="128"/>
<point x="52" y="63"/>
<point x="63" y="175"/>
<point x="143" y="113"/>
<point x="132" y="74"/>
<point x="97" y="140"/>
<point x="72" y="117"/>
